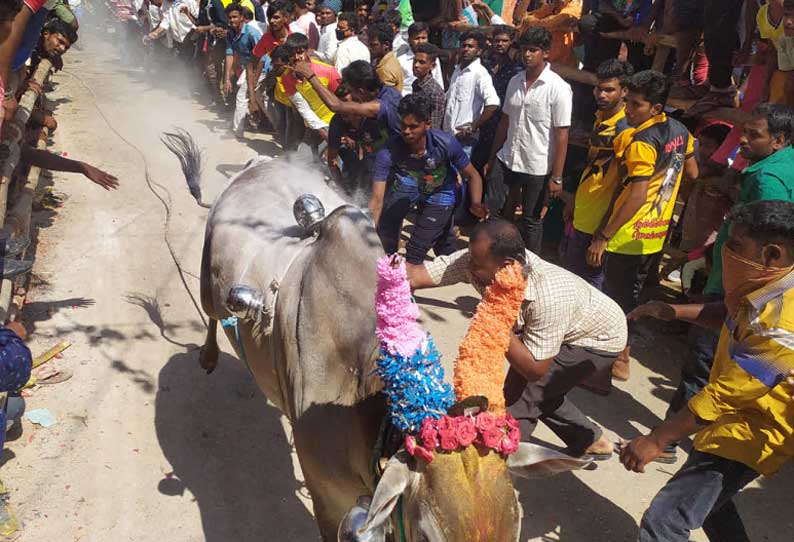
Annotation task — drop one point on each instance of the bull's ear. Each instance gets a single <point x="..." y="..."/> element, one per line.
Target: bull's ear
<point x="533" y="461"/>
<point x="391" y="486"/>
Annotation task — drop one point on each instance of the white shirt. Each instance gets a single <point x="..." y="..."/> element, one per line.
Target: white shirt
<point x="326" y="50"/>
<point x="350" y="50"/>
<point x="399" y="46"/>
<point x="407" y="64"/>
<point x="176" y="24"/>
<point x="534" y="113"/>
<point x="304" y="23"/>
<point x="785" y="53"/>
<point x="470" y="90"/>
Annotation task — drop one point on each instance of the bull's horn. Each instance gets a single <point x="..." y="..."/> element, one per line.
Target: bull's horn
<point x="309" y="212"/>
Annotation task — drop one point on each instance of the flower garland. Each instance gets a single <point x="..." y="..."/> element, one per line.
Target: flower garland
<point x="499" y="433"/>
<point x="409" y="363"/>
<point x="479" y="368"/>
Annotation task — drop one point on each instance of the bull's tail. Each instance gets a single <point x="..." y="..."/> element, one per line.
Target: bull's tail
<point x="188" y="152"/>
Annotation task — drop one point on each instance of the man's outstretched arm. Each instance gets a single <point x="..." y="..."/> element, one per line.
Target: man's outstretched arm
<point x="53" y="162"/>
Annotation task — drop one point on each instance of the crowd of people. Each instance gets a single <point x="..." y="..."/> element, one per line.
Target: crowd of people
<point x="453" y="113"/>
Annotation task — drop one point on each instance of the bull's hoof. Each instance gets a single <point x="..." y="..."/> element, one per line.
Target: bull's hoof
<point x="208" y="358"/>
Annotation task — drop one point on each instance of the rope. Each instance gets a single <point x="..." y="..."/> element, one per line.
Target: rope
<point x="233" y="322"/>
<point x="150" y="184"/>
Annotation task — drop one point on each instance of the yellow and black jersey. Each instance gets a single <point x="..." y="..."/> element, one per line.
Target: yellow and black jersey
<point x="656" y="155"/>
<point x="600" y="177"/>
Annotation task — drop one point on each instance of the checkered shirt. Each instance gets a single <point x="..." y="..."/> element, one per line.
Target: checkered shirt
<point x="559" y="307"/>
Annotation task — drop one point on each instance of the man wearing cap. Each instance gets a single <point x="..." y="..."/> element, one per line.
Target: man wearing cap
<point x="326" y="51"/>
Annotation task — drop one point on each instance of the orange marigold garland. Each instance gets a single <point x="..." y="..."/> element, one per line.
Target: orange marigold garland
<point x="479" y="369"/>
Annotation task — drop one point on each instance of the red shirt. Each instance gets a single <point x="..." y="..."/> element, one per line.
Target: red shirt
<point x="35" y="5"/>
<point x="328" y="76"/>
<point x="268" y="43"/>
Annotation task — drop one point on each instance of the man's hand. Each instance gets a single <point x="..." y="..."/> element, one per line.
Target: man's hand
<point x="218" y="32"/>
<point x="323" y="133"/>
<point x="479" y="210"/>
<point x="253" y="107"/>
<point x="96" y="175"/>
<point x="639" y="452"/>
<point x="184" y="9"/>
<point x="464" y="133"/>
<point x="50" y="123"/>
<point x="227" y="86"/>
<point x="34" y="86"/>
<point x="303" y="68"/>
<point x="653" y="309"/>
<point x="595" y="252"/>
<point x="554" y="189"/>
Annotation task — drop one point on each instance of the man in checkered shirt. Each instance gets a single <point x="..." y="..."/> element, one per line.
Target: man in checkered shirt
<point x="566" y="331"/>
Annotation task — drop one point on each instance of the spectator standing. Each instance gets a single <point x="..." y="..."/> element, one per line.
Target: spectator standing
<point x="316" y="115"/>
<point x="350" y="47"/>
<point x="502" y="69"/>
<point x="241" y="40"/>
<point x="429" y="160"/>
<point x="326" y="50"/>
<point x="600" y="177"/>
<point x="175" y="25"/>
<point x="211" y="24"/>
<point x="278" y="17"/>
<point x="785" y="57"/>
<point x="471" y="97"/>
<point x="283" y="116"/>
<point x="766" y="144"/>
<point x="425" y="58"/>
<point x="742" y="418"/>
<point x="382" y="57"/>
<point x="659" y="155"/>
<point x="531" y="141"/>
<point x="418" y="33"/>
<point x="393" y="18"/>
<point x="305" y="22"/>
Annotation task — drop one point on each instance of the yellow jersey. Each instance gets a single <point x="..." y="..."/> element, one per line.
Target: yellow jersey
<point x="600" y="178"/>
<point x="766" y="29"/>
<point x="656" y="154"/>
<point x="747" y="399"/>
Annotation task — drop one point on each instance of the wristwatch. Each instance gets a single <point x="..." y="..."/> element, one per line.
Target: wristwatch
<point x="556" y="180"/>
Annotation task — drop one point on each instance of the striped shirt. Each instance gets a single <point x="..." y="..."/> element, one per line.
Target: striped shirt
<point x="559" y="307"/>
<point x="747" y="399"/>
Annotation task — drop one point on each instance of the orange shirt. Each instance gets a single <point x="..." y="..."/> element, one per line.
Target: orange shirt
<point x="559" y="21"/>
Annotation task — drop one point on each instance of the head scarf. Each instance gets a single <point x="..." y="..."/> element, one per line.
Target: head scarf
<point x="334" y="5"/>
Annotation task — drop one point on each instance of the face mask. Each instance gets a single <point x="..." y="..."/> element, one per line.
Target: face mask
<point x="340" y="34"/>
<point x="741" y="277"/>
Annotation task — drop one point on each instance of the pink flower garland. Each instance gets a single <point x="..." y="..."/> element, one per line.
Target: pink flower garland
<point x="499" y="433"/>
<point x="397" y="327"/>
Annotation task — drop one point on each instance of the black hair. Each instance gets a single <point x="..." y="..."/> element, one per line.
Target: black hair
<point x="247" y="13"/>
<point x="9" y="9"/>
<point x="234" y="6"/>
<point x="281" y="53"/>
<point x="301" y="3"/>
<point x="57" y="26"/>
<point x="279" y="5"/>
<point x="393" y="17"/>
<point x="716" y="132"/>
<point x="342" y="90"/>
<point x="651" y="85"/>
<point x="417" y="27"/>
<point x="361" y="74"/>
<point x="416" y="105"/>
<point x="615" y="69"/>
<point x="381" y="32"/>
<point x="427" y="48"/>
<point x="788" y="4"/>
<point x="767" y="221"/>
<point x="352" y="20"/>
<point x="475" y="35"/>
<point x="506" y="240"/>
<point x="296" y="41"/>
<point x="500" y="29"/>
<point x="536" y="36"/>
<point x="779" y="119"/>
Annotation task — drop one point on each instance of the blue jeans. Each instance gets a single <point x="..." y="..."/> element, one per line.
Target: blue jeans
<point x="699" y="495"/>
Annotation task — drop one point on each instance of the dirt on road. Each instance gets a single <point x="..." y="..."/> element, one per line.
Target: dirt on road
<point x="148" y="448"/>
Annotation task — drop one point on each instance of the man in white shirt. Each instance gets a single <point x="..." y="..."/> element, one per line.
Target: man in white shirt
<point x="350" y="47"/>
<point x="174" y="24"/>
<point x="305" y="22"/>
<point x="531" y="141"/>
<point x="326" y="51"/>
<point x="417" y="33"/>
<point x="471" y="97"/>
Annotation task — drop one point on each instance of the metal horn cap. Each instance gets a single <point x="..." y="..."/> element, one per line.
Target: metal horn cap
<point x="245" y="302"/>
<point x="309" y="212"/>
<point x="355" y="519"/>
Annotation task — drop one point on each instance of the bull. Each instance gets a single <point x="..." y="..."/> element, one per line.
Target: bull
<point x="304" y="301"/>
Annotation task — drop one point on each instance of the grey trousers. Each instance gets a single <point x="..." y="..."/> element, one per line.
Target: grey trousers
<point x="546" y="399"/>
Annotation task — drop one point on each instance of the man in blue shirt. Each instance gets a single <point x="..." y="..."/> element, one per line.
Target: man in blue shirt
<point x="424" y="164"/>
<point x="240" y="42"/>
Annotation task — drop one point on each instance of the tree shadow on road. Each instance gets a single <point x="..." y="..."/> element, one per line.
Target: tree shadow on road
<point x="227" y="448"/>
